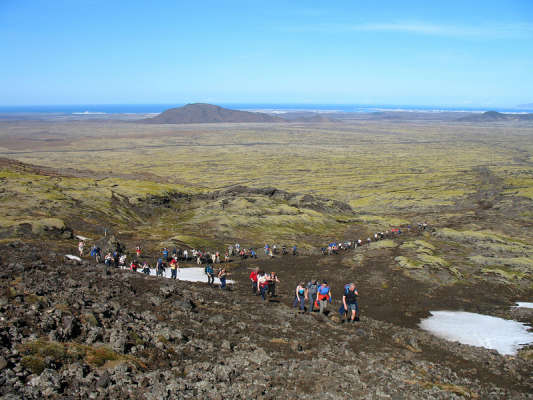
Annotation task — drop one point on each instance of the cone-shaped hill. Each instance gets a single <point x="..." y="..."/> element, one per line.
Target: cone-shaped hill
<point x="200" y="113"/>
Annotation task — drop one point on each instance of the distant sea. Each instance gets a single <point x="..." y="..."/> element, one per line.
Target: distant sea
<point x="96" y="109"/>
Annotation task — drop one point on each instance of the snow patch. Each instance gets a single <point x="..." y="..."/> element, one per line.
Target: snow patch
<point x="524" y="304"/>
<point x="502" y="335"/>
<point x="193" y="274"/>
<point x="71" y="257"/>
<point x="82" y="238"/>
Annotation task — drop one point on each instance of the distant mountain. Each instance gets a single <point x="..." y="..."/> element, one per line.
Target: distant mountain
<point x="200" y="113"/>
<point x="319" y="118"/>
<point x="492" y="116"/>
<point x="306" y="116"/>
<point x="528" y="106"/>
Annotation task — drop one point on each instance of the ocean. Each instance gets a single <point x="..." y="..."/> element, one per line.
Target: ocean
<point x="101" y="109"/>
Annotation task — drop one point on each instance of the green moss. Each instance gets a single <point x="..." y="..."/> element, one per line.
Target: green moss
<point x="383" y="244"/>
<point x="432" y="261"/>
<point x="404" y="262"/>
<point x="44" y="348"/>
<point x="37" y="351"/>
<point x="90" y="319"/>
<point x="506" y="274"/>
<point x="135" y="338"/>
<point x="35" y="364"/>
<point x="98" y="356"/>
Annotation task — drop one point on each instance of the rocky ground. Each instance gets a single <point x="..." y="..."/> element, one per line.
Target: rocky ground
<point x="73" y="331"/>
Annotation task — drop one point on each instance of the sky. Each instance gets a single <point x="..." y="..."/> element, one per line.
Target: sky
<point x="465" y="53"/>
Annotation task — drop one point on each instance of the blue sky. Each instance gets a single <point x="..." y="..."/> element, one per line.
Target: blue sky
<point x="471" y="53"/>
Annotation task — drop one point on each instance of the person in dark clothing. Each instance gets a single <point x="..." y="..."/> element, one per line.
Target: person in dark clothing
<point x="350" y="303"/>
<point x="273" y="279"/>
<point x="312" y="290"/>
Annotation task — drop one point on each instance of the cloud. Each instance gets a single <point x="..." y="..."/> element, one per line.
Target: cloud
<point x="515" y="30"/>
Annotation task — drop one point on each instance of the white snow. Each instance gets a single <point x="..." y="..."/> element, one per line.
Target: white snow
<point x="71" y="257"/>
<point x="505" y="336"/>
<point x="83" y="238"/>
<point x="194" y="274"/>
<point x="524" y="304"/>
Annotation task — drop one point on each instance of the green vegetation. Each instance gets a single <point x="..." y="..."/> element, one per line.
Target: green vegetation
<point x="166" y="185"/>
<point x="383" y="244"/>
<point x="36" y="352"/>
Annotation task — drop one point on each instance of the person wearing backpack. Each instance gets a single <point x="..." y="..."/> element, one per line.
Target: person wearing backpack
<point x="210" y="274"/>
<point x="349" y="301"/>
<point x="222" y="277"/>
<point x="312" y="290"/>
<point x="324" y="296"/>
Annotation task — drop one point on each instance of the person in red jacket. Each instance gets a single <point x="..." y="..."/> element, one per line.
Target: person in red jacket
<point x="253" y="278"/>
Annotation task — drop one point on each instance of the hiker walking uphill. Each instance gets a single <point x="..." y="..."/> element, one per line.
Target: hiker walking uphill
<point x="312" y="291"/>
<point x="81" y="246"/>
<point x="324" y="296"/>
<point x="222" y="277"/>
<point x="349" y="301"/>
<point x="262" y="283"/>
<point x="300" y="297"/>
<point x="174" y="268"/>
<point x="273" y="280"/>
<point x="253" y="279"/>
<point x="210" y="274"/>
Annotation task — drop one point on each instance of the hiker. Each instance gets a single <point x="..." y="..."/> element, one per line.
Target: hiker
<point x="133" y="266"/>
<point x="210" y="274"/>
<point x="217" y="257"/>
<point x="146" y="268"/>
<point x="253" y="279"/>
<point x="108" y="259"/>
<point x="226" y="258"/>
<point x="81" y="245"/>
<point x="350" y="303"/>
<point x="272" y="284"/>
<point x="222" y="277"/>
<point x="267" y="248"/>
<point x="165" y="254"/>
<point x="230" y="250"/>
<point x="262" y="283"/>
<point x="300" y="296"/>
<point x="138" y="251"/>
<point x="159" y="268"/>
<point x="253" y="254"/>
<point x="312" y="290"/>
<point x="270" y="253"/>
<point x="186" y="255"/>
<point x="174" y="268"/>
<point x="324" y="296"/>
<point x="284" y="250"/>
<point x="96" y="253"/>
<point x="122" y="261"/>
<point x="294" y="250"/>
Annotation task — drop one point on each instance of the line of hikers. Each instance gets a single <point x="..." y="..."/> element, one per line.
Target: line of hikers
<point x="318" y="295"/>
<point x="264" y="284"/>
<point x="335" y="247"/>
